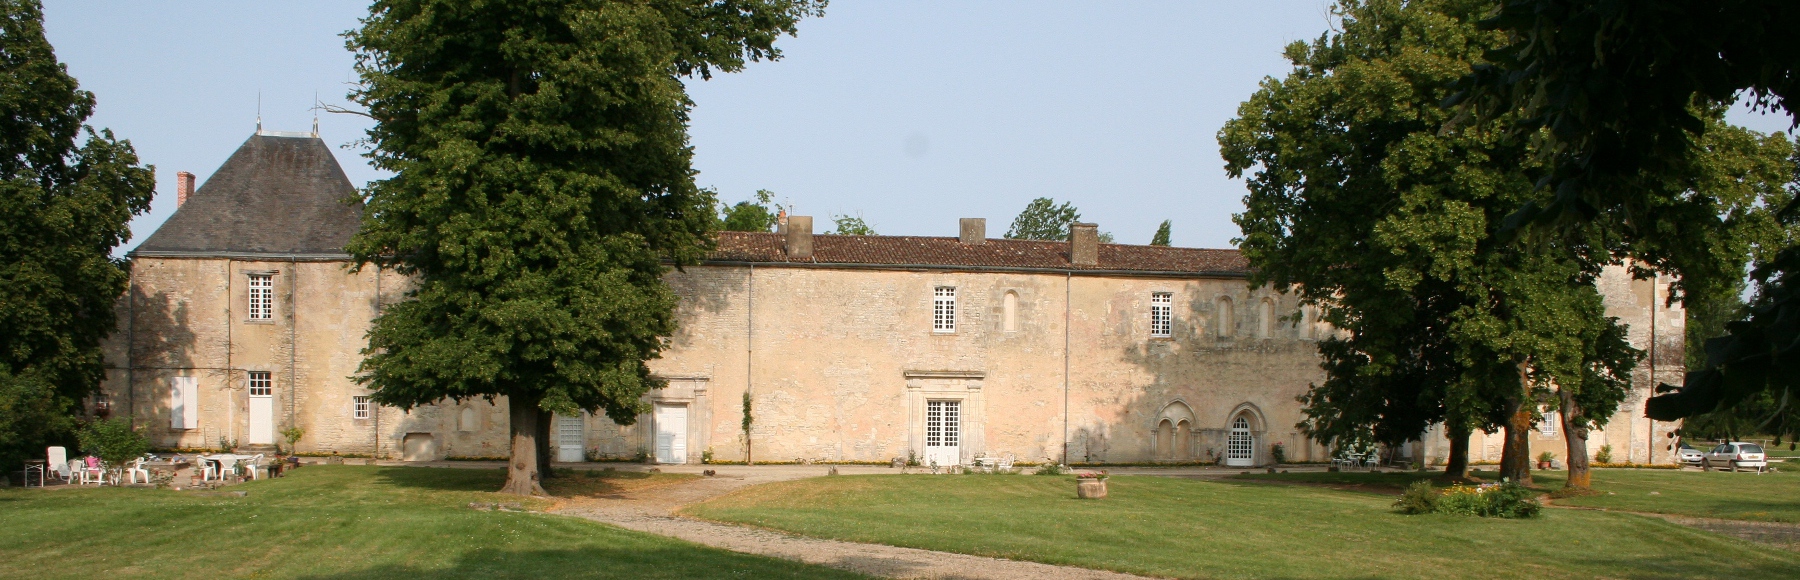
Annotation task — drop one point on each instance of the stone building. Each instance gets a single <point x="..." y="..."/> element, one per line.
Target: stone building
<point x="245" y="317"/>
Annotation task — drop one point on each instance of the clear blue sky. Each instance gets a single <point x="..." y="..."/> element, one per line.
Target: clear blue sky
<point x="912" y="114"/>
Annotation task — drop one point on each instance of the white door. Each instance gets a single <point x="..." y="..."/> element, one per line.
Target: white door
<point x="671" y="433"/>
<point x="1240" y="447"/>
<point x="262" y="417"/>
<point x="569" y="439"/>
<point x="943" y="433"/>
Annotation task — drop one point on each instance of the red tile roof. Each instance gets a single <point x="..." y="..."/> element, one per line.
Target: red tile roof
<point x="951" y="253"/>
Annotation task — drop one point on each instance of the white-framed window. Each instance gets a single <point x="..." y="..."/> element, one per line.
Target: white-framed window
<point x="359" y="407"/>
<point x="1162" y="314"/>
<point x="943" y="309"/>
<point x="1548" y="426"/>
<point x="261" y="384"/>
<point x="262" y="297"/>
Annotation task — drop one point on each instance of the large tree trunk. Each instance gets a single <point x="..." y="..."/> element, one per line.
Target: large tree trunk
<point x="1458" y="466"/>
<point x="546" y="420"/>
<point x="1576" y="433"/>
<point x="522" y="469"/>
<point x="1515" y="457"/>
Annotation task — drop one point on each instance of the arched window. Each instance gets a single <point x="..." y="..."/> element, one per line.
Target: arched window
<point x="1009" y="312"/>
<point x="1227" y="322"/>
<point x="1184" y="445"/>
<point x="1265" y="318"/>
<point x="1165" y="440"/>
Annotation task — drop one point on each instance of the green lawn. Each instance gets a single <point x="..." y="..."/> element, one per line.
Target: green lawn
<point x="1235" y="529"/>
<point x="1768" y="497"/>
<point x="387" y="523"/>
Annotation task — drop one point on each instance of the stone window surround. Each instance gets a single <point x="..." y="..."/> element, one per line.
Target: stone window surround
<point x="250" y="277"/>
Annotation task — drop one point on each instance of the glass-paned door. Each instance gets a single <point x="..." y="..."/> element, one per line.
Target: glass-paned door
<point x="943" y="432"/>
<point x="1240" y="446"/>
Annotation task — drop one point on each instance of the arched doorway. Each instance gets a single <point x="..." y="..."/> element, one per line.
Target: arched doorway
<point x="1240" y="445"/>
<point x="1165" y="441"/>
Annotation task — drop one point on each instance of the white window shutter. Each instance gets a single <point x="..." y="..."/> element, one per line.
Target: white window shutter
<point x="184" y="403"/>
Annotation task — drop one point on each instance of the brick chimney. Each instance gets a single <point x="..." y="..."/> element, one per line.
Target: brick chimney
<point x="972" y="231"/>
<point x="781" y="221"/>
<point x="1084" y="244"/>
<point x="799" y="237"/>
<point x="184" y="187"/>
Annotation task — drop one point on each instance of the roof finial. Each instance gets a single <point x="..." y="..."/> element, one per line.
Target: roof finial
<point x="315" y="110"/>
<point x="259" y="112"/>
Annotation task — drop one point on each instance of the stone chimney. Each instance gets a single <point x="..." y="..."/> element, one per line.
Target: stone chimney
<point x="973" y="231"/>
<point x="781" y="218"/>
<point x="184" y="187"/>
<point x="1084" y="244"/>
<point x="799" y="237"/>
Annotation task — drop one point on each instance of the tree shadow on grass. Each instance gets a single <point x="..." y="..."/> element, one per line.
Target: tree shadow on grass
<point x="442" y="478"/>
<point x="672" y="560"/>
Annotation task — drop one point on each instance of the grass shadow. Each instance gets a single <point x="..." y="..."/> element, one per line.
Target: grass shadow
<point x="633" y="562"/>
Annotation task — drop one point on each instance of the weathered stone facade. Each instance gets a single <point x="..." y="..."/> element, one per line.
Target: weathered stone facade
<point x="1049" y="351"/>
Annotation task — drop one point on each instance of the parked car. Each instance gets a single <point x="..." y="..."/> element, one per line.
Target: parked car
<point x="1689" y="454"/>
<point x="1736" y="455"/>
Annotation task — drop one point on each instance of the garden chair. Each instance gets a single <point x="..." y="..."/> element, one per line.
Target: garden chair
<point x="1006" y="462"/>
<point x="137" y="470"/>
<point x="254" y="465"/>
<point x="59" y="462"/>
<point x="207" y="466"/>
<point x="93" y="471"/>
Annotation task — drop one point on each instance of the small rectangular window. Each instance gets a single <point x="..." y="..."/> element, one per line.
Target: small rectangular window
<point x="262" y="297"/>
<point x="943" y="310"/>
<point x="261" y="385"/>
<point x="1548" y="426"/>
<point x="1162" y="314"/>
<point x="359" y="407"/>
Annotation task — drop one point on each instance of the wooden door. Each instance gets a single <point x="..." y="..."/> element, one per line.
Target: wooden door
<point x="671" y="433"/>
<point x="943" y="433"/>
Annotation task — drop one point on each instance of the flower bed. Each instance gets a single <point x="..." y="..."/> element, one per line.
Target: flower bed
<point x="1488" y="500"/>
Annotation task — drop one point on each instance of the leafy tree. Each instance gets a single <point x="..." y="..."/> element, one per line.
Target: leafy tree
<point x="542" y="177"/>
<point x="1043" y="219"/>
<point x="750" y="216"/>
<point x="1362" y="204"/>
<point x="114" y="441"/>
<point x="1619" y="92"/>
<point x="1162" y="235"/>
<point x="852" y="226"/>
<point x="66" y="196"/>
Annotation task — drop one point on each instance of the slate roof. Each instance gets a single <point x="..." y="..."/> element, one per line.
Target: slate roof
<point x="277" y="195"/>
<point x="948" y="252"/>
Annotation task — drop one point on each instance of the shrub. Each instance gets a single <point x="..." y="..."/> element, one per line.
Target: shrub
<point x="1419" y="498"/>
<point x="1605" y="454"/>
<point x="113" y="441"/>
<point x="1507" y="500"/>
<point x="1050" y="469"/>
<point x="1546" y="457"/>
<point x="1278" y="453"/>
<point x="1511" y="500"/>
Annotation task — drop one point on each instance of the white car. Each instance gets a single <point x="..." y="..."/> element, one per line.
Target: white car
<point x="1736" y="455"/>
<point x="1689" y="455"/>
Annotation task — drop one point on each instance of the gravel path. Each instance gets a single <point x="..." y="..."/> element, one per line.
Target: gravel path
<point x="652" y="510"/>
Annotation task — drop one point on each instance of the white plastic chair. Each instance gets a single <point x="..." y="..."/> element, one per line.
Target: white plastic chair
<point x="254" y="464"/>
<point x="59" y="462"/>
<point x="209" y="468"/>
<point x="93" y="472"/>
<point x="137" y="470"/>
<point x="1006" y="462"/>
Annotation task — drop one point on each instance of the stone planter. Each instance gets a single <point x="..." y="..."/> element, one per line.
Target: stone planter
<point x="1090" y="488"/>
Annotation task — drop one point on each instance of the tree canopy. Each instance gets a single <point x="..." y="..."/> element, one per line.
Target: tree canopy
<point x="1162" y="235"/>
<point x="1619" y="92"/>
<point x="1360" y="203"/>
<point x="750" y="215"/>
<point x="67" y="194"/>
<point x="542" y="177"/>
<point x="852" y="226"/>
<point x="1044" y="219"/>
